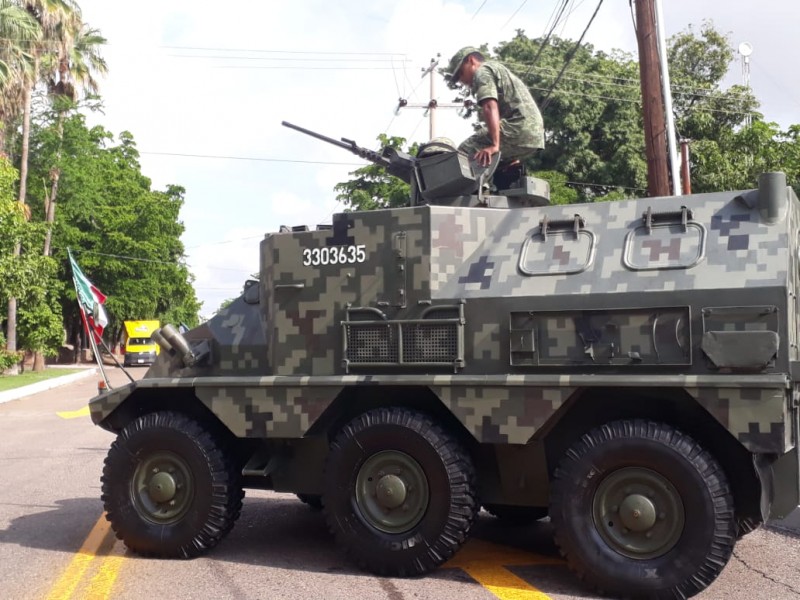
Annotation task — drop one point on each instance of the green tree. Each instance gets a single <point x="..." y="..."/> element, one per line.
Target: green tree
<point x="27" y="276"/>
<point x="593" y="121"/>
<point x="55" y="18"/>
<point x="124" y="234"/>
<point x="70" y="73"/>
<point x="17" y="28"/>
<point x="372" y="187"/>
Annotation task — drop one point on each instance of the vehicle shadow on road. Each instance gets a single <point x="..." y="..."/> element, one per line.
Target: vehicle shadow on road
<point x="280" y="531"/>
<point x="61" y="526"/>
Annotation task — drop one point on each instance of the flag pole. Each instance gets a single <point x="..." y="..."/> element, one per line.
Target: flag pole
<point x="98" y="359"/>
<point x="89" y="332"/>
<point x="116" y="362"/>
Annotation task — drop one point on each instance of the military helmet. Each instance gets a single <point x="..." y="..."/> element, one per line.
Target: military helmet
<point x="455" y="64"/>
<point x="437" y="145"/>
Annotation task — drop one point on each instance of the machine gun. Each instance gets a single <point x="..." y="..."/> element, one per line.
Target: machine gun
<point x="444" y="177"/>
<point x="395" y="162"/>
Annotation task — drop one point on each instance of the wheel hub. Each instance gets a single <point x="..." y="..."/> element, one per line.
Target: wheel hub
<point x="162" y="488"/>
<point x="391" y="491"/>
<point x="638" y="512"/>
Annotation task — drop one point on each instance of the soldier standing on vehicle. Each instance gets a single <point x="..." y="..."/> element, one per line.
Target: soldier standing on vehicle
<point x="512" y="123"/>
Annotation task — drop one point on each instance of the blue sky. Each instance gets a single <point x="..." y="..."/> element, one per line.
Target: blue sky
<point x="209" y="79"/>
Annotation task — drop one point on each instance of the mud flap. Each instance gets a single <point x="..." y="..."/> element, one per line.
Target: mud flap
<point x="780" y="489"/>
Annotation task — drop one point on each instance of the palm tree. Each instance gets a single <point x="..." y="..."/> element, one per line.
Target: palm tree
<point x="69" y="73"/>
<point x="58" y="19"/>
<point x="51" y="15"/>
<point x="17" y="29"/>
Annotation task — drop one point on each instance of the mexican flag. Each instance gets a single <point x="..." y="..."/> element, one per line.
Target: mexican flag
<point x="90" y="301"/>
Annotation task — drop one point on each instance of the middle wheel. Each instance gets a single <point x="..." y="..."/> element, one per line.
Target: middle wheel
<point x="399" y="492"/>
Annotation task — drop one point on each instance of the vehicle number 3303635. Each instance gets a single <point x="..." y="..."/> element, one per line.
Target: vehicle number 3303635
<point x="334" y="255"/>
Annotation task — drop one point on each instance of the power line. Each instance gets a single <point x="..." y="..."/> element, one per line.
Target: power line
<point x="616" y="81"/>
<point x="252" y="158"/>
<point x="571" y="55"/>
<point x="131" y="258"/>
<point x="547" y="37"/>
<point x="221" y="242"/>
<point x="524" y="2"/>
<point x="152" y="260"/>
<point x="479" y="9"/>
<point x="286" y="58"/>
<point x="263" y="51"/>
<point x="304" y="68"/>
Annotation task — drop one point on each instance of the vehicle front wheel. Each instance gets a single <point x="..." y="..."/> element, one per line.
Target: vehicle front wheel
<point x="399" y="492"/>
<point x="168" y="489"/>
<point x="642" y="510"/>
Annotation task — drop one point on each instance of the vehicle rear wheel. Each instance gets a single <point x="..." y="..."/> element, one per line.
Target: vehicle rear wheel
<point x="642" y="510"/>
<point x="399" y="492"/>
<point x="312" y="500"/>
<point x="168" y="489"/>
<point x="515" y="515"/>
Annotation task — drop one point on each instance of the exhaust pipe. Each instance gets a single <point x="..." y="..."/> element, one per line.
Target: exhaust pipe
<point x="177" y="343"/>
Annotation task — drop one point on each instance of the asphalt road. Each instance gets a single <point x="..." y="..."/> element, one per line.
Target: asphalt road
<point x="54" y="543"/>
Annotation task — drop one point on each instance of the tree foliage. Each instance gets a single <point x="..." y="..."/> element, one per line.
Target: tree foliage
<point x="593" y="121"/>
<point x="372" y="187"/>
<point x="124" y="234"/>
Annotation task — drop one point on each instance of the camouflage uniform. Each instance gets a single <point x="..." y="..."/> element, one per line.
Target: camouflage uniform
<point x="521" y="125"/>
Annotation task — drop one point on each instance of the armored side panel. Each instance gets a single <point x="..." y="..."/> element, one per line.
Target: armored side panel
<point x="695" y="293"/>
<point x="505" y="314"/>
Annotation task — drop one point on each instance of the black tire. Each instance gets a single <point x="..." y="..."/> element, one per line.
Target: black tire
<point x="434" y="506"/>
<point x="314" y="501"/>
<point x="745" y="525"/>
<point x="516" y="515"/>
<point x="167" y="453"/>
<point x="681" y="498"/>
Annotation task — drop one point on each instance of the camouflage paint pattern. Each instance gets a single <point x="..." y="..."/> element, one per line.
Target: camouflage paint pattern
<point x="546" y="303"/>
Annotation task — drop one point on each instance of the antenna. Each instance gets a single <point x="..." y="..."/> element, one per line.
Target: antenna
<point x="745" y="50"/>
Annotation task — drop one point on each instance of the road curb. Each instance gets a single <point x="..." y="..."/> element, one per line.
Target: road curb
<point x="47" y="384"/>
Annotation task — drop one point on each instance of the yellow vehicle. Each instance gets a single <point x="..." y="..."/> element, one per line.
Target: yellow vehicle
<point x="138" y="346"/>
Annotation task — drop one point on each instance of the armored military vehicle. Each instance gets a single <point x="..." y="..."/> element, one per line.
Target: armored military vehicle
<point x="627" y="368"/>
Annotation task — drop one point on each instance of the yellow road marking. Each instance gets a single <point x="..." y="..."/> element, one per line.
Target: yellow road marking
<point x="504" y="584"/>
<point x="74" y="414"/>
<point x="101" y="584"/>
<point x="71" y="577"/>
<point x="486" y="563"/>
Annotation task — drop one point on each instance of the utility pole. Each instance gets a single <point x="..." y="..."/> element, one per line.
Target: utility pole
<point x="674" y="165"/>
<point x="686" y="178"/>
<point x="745" y="50"/>
<point x="432" y="104"/>
<point x="652" y="102"/>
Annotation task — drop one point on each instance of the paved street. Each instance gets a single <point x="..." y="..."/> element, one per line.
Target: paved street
<point x="54" y="543"/>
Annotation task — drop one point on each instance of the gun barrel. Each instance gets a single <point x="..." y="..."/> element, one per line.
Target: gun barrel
<point x="319" y="136"/>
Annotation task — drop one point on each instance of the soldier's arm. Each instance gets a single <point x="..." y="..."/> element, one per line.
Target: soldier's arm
<point x="491" y="116"/>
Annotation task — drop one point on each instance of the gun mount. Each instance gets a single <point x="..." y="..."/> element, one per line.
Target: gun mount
<point x="446" y="178"/>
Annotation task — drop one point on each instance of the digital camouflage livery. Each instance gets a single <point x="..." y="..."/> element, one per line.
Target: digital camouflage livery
<point x="626" y="368"/>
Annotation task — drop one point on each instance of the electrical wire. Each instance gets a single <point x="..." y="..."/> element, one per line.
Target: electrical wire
<point x="571" y="55"/>
<point x="547" y="37"/>
<point x="524" y="2"/>
<point x="251" y="158"/>
<point x="479" y="9"/>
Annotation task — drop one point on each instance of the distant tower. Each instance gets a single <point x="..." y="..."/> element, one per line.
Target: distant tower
<point x="745" y="50"/>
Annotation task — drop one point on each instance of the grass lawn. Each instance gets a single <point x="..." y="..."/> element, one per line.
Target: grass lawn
<point x="9" y="382"/>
